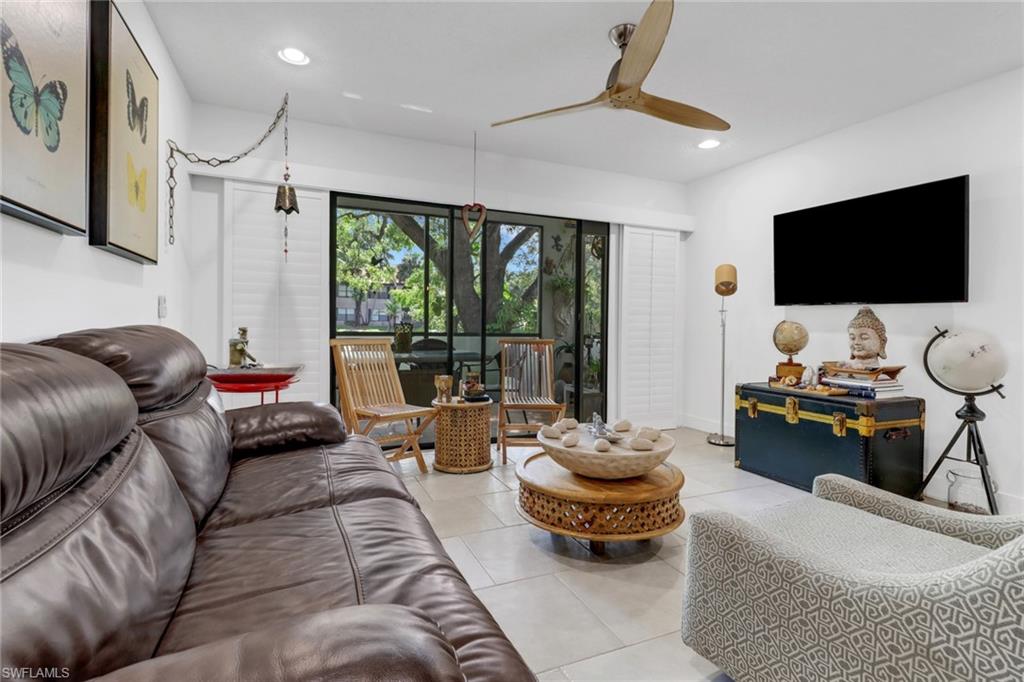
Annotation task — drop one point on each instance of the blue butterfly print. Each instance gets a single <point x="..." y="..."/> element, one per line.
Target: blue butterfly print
<point x="33" y="108"/>
<point x="138" y="110"/>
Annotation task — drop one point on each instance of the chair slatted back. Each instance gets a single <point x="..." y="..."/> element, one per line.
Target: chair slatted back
<point x="527" y="370"/>
<point x="367" y="375"/>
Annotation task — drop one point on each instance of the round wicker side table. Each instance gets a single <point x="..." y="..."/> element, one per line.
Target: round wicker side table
<point x="462" y="441"/>
<point x="555" y="499"/>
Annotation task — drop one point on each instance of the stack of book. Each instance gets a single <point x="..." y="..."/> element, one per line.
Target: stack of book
<point x="867" y="388"/>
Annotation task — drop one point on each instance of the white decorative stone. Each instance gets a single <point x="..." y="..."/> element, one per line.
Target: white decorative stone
<point x="602" y="445"/>
<point x="550" y="432"/>
<point x="641" y="444"/>
<point x="650" y="434"/>
<point x="560" y="425"/>
<point x="623" y="425"/>
<point x="570" y="423"/>
<point x="571" y="440"/>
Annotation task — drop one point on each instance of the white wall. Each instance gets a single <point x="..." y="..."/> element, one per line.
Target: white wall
<point x="334" y="158"/>
<point x="975" y="130"/>
<point x="51" y="284"/>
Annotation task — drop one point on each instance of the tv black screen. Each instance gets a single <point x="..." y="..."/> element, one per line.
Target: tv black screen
<point x="907" y="245"/>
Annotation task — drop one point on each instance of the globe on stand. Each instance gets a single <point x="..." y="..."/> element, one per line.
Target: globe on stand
<point x="790" y="338"/>
<point x="970" y="364"/>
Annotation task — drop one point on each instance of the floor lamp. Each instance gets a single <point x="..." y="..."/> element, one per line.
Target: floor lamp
<point x="725" y="285"/>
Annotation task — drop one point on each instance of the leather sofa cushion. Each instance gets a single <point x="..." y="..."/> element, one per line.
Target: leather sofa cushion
<point x="266" y="429"/>
<point x="61" y="414"/>
<point x="160" y="365"/>
<point x="356" y="644"/>
<point x="194" y="440"/>
<point x="289" y="482"/>
<point x="90" y="581"/>
<point x="378" y="551"/>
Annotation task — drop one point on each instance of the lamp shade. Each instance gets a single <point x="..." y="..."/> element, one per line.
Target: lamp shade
<point x="725" y="279"/>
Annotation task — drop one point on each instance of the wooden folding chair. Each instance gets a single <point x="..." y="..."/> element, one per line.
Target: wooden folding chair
<point x="527" y="369"/>
<point x="369" y="391"/>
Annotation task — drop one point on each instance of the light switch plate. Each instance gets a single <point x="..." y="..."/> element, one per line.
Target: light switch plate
<point x="161" y="306"/>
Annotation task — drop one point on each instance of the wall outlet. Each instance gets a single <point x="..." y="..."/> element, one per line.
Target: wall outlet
<point x="161" y="306"/>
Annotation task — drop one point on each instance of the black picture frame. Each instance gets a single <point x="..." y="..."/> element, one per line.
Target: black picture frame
<point x="38" y="216"/>
<point x="101" y="17"/>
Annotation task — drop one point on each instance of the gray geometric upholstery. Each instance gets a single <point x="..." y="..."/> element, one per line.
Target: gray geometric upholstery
<point x="864" y="541"/>
<point x="988" y="531"/>
<point x="766" y="605"/>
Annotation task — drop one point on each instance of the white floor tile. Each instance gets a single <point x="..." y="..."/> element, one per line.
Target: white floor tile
<point x="664" y="658"/>
<point x="442" y="486"/>
<point x="459" y="516"/>
<point x="547" y="623"/>
<point x="748" y="500"/>
<point x="504" y="507"/>
<point x="555" y="675"/>
<point x="506" y="473"/>
<point x="417" y="491"/>
<point x="636" y="601"/>
<point x="721" y="477"/>
<point x="518" y="552"/>
<point x="467" y="564"/>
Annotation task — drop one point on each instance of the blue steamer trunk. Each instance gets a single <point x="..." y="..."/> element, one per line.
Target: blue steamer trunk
<point x="793" y="436"/>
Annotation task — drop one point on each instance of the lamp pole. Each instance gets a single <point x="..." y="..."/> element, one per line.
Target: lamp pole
<point x="720" y="438"/>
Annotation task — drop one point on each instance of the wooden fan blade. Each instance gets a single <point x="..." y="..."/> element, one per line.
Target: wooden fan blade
<point x="645" y="45"/>
<point x="676" y="112"/>
<point x="600" y="99"/>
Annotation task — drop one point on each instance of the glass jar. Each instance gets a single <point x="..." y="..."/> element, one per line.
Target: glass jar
<point x="967" y="491"/>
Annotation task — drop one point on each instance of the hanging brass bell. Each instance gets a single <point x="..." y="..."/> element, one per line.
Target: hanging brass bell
<point x="286" y="200"/>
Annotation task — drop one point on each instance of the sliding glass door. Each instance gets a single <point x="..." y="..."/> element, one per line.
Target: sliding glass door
<point x="411" y="271"/>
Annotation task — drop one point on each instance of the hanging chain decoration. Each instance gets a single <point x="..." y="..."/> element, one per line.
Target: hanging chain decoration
<point x="172" y="162"/>
<point x="475" y="206"/>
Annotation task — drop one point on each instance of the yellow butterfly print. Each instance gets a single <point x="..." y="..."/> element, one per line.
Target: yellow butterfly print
<point x="136" y="186"/>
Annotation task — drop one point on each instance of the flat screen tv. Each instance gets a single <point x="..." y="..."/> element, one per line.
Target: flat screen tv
<point x="907" y="245"/>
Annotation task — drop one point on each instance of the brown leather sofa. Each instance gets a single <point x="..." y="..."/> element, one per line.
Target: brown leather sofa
<point x="148" y="535"/>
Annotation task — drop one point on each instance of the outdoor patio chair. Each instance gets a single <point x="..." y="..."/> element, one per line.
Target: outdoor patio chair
<point x="527" y="378"/>
<point x="370" y="394"/>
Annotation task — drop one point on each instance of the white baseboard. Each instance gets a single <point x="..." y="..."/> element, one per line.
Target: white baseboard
<point x="692" y="421"/>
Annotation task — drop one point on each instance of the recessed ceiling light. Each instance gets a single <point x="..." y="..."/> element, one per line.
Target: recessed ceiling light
<point x="293" y="55"/>
<point x="709" y="144"/>
<point x="351" y="95"/>
<point x="417" y="107"/>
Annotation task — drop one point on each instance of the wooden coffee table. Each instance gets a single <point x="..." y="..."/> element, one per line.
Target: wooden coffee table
<point x="555" y="499"/>
<point x="462" y="440"/>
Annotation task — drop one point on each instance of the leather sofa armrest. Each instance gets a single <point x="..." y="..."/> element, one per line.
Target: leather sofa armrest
<point x="368" y="642"/>
<point x="266" y="429"/>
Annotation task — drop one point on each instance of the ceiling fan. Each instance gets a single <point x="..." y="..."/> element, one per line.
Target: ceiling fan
<point x="640" y="45"/>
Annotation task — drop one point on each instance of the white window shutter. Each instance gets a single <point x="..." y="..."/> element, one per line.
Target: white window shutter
<point x="284" y="305"/>
<point x="648" y="319"/>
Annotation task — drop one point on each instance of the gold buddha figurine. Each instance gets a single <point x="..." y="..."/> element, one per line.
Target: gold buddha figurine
<point x="867" y="340"/>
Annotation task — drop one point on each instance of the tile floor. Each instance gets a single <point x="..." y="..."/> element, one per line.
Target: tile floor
<point x="574" y="615"/>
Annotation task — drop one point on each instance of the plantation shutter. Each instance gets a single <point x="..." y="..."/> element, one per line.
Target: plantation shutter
<point x="648" y="319"/>
<point x="284" y="305"/>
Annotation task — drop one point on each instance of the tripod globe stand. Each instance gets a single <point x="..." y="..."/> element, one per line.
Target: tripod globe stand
<point x="969" y="414"/>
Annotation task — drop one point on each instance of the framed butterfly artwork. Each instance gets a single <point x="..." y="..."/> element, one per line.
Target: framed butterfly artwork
<point x="124" y="173"/>
<point x="45" y="113"/>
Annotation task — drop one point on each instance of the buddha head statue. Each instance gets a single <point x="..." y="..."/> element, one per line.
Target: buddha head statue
<point x="867" y="339"/>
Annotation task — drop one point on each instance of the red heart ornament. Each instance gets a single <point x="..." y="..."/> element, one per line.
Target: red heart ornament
<point x="472" y="230"/>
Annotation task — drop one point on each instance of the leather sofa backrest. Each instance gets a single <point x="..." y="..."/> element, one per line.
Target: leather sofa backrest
<point x="178" y="408"/>
<point x="97" y="540"/>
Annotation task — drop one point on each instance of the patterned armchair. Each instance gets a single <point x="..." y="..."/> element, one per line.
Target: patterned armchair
<point x="856" y="584"/>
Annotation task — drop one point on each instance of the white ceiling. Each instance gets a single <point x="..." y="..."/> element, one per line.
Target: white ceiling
<point x="781" y="73"/>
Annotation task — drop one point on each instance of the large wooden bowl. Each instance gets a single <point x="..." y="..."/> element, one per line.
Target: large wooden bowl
<point x="619" y="462"/>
